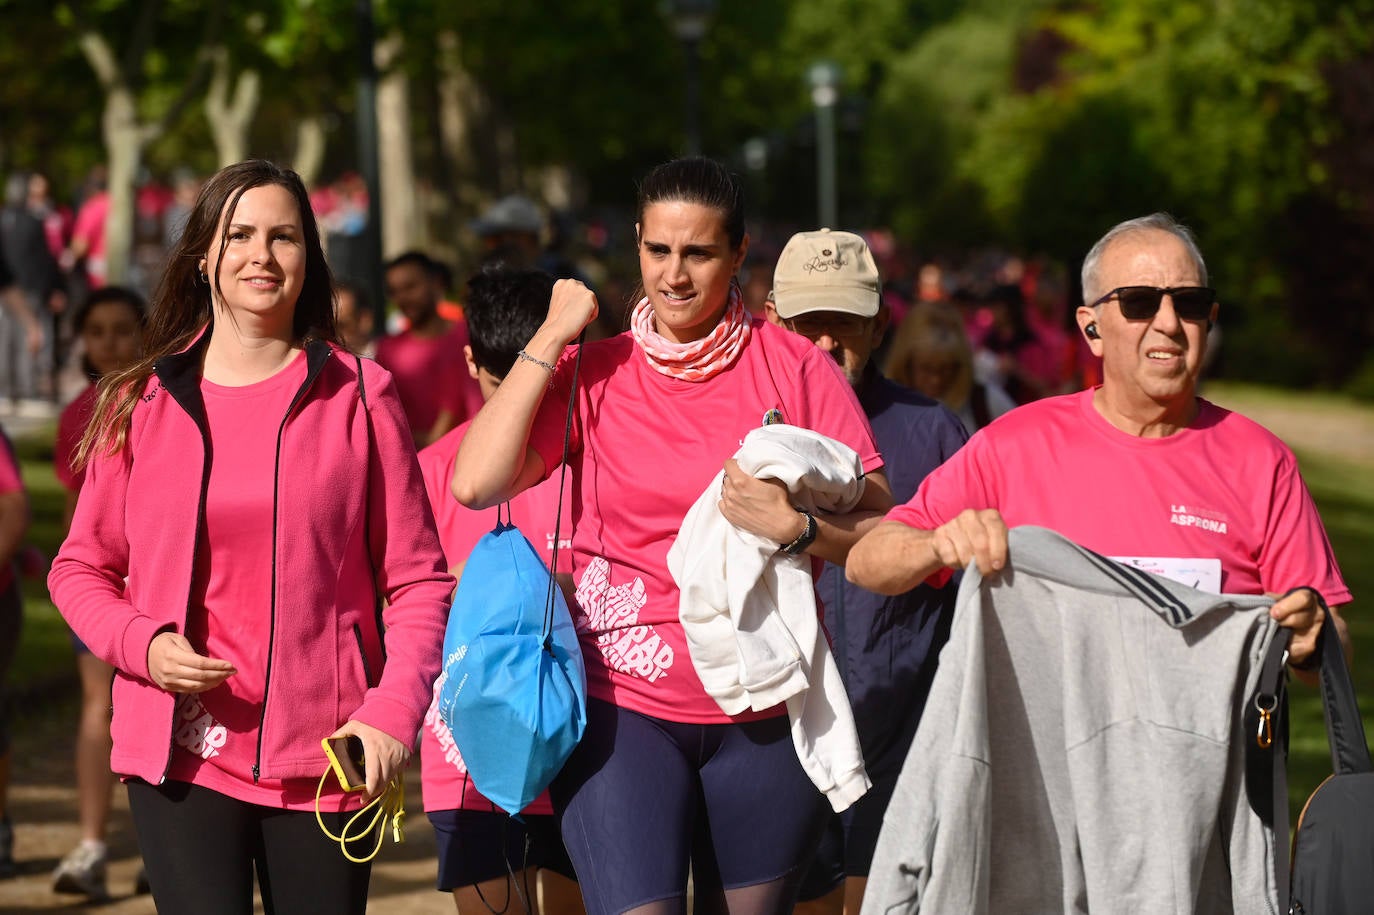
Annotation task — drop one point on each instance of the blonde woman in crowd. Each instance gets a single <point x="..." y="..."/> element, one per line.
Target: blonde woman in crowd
<point x="931" y="353"/>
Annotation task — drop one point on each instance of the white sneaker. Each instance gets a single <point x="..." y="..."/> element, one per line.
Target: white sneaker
<point x="82" y="873"/>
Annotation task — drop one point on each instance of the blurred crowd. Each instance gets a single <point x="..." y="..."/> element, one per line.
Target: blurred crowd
<point x="981" y="333"/>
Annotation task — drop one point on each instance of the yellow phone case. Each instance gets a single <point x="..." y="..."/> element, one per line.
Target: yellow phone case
<point x="351" y="770"/>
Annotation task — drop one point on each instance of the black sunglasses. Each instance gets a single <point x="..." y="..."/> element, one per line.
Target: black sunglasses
<point x="1140" y="303"/>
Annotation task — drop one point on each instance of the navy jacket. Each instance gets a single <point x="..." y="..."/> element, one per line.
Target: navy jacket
<point x="886" y="647"/>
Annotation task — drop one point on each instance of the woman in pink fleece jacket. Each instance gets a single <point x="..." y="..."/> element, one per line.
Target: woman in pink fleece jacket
<point x="252" y="497"/>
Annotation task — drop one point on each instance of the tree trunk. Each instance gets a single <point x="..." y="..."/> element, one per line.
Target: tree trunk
<point x="230" y="119"/>
<point x="125" y="135"/>
<point x="124" y="145"/>
<point x="310" y="142"/>
<point x="462" y="108"/>
<point x="402" y="227"/>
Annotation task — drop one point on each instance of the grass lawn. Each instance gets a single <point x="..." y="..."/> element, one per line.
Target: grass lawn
<point x="1333" y="438"/>
<point x="45" y="650"/>
<point x="1325" y="431"/>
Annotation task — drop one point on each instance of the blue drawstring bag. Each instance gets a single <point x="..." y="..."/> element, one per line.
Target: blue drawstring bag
<point x="514" y="689"/>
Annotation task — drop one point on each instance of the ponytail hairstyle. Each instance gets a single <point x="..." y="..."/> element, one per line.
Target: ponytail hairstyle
<point x="183" y="305"/>
<point x="698" y="180"/>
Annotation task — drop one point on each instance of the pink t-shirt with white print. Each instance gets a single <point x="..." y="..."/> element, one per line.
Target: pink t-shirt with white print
<point x="1222" y="489"/>
<point x="645" y="447"/>
<point x="215" y="737"/>
<point x="444" y="778"/>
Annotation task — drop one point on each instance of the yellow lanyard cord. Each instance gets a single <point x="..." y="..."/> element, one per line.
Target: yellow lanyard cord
<point x="390" y="805"/>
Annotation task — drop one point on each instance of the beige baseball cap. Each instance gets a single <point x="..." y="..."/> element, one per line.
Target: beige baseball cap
<point x="826" y="271"/>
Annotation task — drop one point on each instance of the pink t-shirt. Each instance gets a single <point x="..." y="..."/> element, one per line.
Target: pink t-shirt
<point x="431" y="376"/>
<point x="90" y="228"/>
<point x="443" y="776"/>
<point x="644" y="448"/>
<point x="71" y="425"/>
<point x="1224" y="488"/>
<point x="10" y="481"/>
<point x="215" y="737"/>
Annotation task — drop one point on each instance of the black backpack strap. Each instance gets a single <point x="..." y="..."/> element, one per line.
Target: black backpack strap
<point x="550" y="601"/>
<point x="1266" y="751"/>
<point x="1266" y="760"/>
<point x="1344" y="729"/>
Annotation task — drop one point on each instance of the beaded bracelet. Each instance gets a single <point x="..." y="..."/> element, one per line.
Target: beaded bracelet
<point x="539" y="362"/>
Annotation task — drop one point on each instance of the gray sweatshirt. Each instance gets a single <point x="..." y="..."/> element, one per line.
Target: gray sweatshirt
<point x="1082" y="749"/>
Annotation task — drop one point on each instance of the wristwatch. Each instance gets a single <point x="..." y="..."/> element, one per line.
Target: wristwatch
<point x="804" y="539"/>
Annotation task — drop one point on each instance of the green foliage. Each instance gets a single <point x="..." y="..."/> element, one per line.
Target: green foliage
<point x="1029" y="123"/>
<point x="1041" y="127"/>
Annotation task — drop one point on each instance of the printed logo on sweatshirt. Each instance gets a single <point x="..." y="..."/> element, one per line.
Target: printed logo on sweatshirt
<point x="1202" y="518"/>
<point x="435" y="722"/>
<point x="611" y="612"/>
<point x="564" y="543"/>
<point x="196" y="730"/>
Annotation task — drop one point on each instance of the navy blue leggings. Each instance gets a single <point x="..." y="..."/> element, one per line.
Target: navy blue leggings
<point x="641" y="797"/>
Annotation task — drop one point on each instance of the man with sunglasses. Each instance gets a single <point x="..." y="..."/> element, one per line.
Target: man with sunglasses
<point x="1138" y="468"/>
<point x="826" y="287"/>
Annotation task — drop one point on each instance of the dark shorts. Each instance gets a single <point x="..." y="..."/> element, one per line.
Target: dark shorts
<point x="846" y="849"/>
<point x="640" y="798"/>
<point x="480" y="845"/>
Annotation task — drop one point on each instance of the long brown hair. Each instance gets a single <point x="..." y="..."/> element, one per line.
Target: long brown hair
<point x="183" y="305"/>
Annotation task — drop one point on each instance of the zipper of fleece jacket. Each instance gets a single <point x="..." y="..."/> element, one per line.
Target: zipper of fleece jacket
<point x="272" y="615"/>
<point x="195" y="546"/>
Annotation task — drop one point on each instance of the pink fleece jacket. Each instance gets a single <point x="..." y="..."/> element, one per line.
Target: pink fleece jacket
<point x="350" y="511"/>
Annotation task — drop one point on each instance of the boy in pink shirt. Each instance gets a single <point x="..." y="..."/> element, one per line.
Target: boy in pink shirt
<point x="478" y="843"/>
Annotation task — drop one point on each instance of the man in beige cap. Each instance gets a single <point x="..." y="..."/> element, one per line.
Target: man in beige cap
<point x="826" y="287"/>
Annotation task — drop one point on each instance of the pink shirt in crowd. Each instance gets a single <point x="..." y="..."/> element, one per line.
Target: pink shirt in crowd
<point x="10" y="481"/>
<point x="90" y="228"/>
<point x="1224" y="488"/>
<point x="214" y="739"/>
<point x="71" y="425"/>
<point x="645" y="447"/>
<point x="431" y="376"/>
<point x="444" y="778"/>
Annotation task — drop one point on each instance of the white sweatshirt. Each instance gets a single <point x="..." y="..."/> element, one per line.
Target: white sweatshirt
<point x="749" y="611"/>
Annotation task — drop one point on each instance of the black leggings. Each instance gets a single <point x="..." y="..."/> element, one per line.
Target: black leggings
<point x="201" y="848"/>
